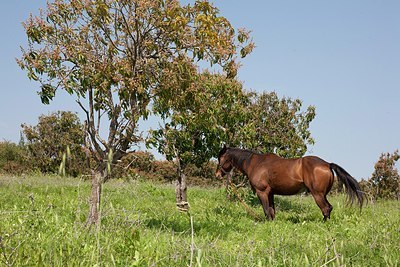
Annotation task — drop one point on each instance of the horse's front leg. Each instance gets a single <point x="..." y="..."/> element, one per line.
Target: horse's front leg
<point x="264" y="197"/>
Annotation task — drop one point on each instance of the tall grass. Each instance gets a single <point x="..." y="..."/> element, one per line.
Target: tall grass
<point x="42" y="222"/>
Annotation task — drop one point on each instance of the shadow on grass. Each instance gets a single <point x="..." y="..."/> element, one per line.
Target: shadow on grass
<point x="290" y="204"/>
<point x="176" y="225"/>
<point x="183" y="226"/>
<point x="295" y="209"/>
<point x="224" y="226"/>
<point x="224" y="218"/>
<point x="219" y="222"/>
<point x="285" y="203"/>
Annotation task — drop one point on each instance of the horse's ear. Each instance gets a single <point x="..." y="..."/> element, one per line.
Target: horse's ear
<point x="225" y="148"/>
<point x="222" y="151"/>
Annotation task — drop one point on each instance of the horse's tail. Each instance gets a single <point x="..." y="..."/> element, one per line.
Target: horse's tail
<point x="353" y="188"/>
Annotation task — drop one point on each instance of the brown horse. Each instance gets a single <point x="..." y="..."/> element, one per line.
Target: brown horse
<point x="271" y="175"/>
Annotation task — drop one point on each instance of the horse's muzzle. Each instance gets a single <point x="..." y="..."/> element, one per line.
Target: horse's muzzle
<point x="219" y="174"/>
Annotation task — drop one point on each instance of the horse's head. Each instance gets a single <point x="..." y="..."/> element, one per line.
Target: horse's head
<point x="224" y="163"/>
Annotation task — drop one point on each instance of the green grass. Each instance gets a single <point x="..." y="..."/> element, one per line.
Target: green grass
<point x="42" y="222"/>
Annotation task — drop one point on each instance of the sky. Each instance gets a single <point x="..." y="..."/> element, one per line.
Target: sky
<point x="343" y="57"/>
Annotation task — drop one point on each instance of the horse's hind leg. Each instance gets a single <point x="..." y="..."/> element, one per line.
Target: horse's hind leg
<point x="323" y="204"/>
<point x="320" y="187"/>
<point x="330" y="208"/>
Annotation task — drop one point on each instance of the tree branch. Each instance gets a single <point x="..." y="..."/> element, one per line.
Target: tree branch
<point x="94" y="135"/>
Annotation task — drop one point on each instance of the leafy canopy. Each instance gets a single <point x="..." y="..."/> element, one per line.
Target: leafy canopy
<point x="277" y="125"/>
<point x="198" y="117"/>
<point x="209" y="110"/>
<point x="113" y="55"/>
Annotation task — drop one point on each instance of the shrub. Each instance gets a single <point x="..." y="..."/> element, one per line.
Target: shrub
<point x="13" y="158"/>
<point x="203" y="175"/>
<point x="134" y="163"/>
<point x="166" y="170"/>
<point x="48" y="140"/>
<point x="385" y="180"/>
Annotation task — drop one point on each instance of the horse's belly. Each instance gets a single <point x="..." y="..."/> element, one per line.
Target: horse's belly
<point x="288" y="188"/>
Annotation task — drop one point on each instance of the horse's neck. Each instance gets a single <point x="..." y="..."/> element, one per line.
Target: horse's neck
<point x="240" y="163"/>
<point x="241" y="168"/>
<point x="243" y="165"/>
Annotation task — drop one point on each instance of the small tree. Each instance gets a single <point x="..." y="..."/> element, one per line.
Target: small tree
<point x="111" y="55"/>
<point x="50" y="138"/>
<point x="198" y="118"/>
<point x="277" y="125"/>
<point x="385" y="180"/>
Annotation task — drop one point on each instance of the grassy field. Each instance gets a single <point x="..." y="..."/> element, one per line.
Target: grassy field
<point x="42" y="222"/>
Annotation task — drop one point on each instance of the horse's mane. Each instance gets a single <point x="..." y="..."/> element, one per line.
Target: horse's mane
<point x="240" y="156"/>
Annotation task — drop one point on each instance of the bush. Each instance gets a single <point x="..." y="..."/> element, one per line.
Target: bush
<point x="165" y="170"/>
<point x="203" y="175"/>
<point x="385" y="180"/>
<point x="13" y="158"/>
<point x="143" y="164"/>
<point x="133" y="164"/>
<point x="48" y="140"/>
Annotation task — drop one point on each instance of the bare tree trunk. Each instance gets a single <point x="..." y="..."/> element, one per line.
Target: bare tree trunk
<point x="180" y="189"/>
<point x="94" y="203"/>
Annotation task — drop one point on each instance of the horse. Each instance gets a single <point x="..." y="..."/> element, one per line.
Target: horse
<point x="271" y="175"/>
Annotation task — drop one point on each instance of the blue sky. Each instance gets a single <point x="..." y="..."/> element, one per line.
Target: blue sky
<point x="341" y="56"/>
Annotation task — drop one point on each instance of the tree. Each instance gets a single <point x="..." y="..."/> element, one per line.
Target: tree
<point x="51" y="137"/>
<point x="111" y="55"/>
<point x="275" y="125"/>
<point x="385" y="180"/>
<point x="198" y="118"/>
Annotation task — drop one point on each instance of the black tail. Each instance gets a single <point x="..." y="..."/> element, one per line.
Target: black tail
<point x="353" y="189"/>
